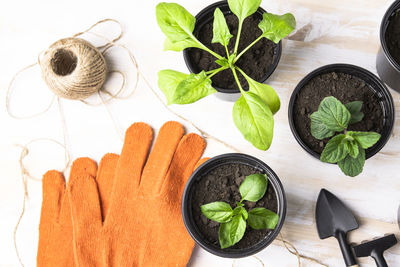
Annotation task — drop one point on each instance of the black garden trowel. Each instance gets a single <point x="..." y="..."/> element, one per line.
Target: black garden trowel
<point x="375" y="249"/>
<point x="335" y="219"/>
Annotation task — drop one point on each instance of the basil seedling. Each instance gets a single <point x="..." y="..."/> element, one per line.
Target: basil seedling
<point x="348" y="148"/>
<point x="233" y="221"/>
<point x="253" y="111"/>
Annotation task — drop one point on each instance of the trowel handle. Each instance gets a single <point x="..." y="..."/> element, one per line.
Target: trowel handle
<point x="346" y="249"/>
<point x="379" y="259"/>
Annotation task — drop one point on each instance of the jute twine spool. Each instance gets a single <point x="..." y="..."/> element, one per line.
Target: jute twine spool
<point x="73" y="68"/>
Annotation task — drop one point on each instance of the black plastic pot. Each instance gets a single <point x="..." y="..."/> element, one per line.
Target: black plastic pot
<point x="204" y="17"/>
<point x="386" y="102"/>
<point x="388" y="69"/>
<point x="211" y="164"/>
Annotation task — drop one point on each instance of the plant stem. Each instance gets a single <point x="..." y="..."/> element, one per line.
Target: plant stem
<point x="237" y="80"/>
<point x="206" y="48"/>
<point x="248" y="47"/>
<point x="215" y="71"/>
<point x="227" y="52"/>
<point x="238" y="36"/>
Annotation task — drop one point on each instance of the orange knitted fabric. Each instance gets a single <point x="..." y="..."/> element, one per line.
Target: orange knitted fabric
<point x="143" y="225"/>
<point x="55" y="228"/>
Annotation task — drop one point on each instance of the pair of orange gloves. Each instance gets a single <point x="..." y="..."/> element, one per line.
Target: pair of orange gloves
<point x="128" y="211"/>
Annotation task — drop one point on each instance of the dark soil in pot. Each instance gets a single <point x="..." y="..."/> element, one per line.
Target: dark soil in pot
<point x="346" y="88"/>
<point x="256" y="62"/>
<point x="392" y="37"/>
<point x="222" y="184"/>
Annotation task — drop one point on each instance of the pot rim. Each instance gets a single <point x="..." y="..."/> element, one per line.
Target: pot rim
<point x="214" y="163"/>
<point x="204" y="12"/>
<point x="395" y="6"/>
<point x="340" y="67"/>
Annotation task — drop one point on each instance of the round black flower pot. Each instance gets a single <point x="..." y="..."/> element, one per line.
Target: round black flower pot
<point x="388" y="65"/>
<point x="203" y="20"/>
<point x="190" y="213"/>
<point x="365" y="86"/>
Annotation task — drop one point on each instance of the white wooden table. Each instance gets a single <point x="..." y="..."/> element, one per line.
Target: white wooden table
<point x="328" y="32"/>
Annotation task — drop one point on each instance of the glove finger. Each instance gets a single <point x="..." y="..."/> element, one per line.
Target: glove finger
<point x="53" y="193"/>
<point x="79" y="167"/>
<point x="85" y="206"/>
<point x="137" y="143"/>
<point x="186" y="156"/>
<point x="160" y="157"/>
<point x="105" y="179"/>
<point x="200" y="162"/>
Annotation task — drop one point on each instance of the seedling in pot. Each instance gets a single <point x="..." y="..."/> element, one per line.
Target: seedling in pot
<point x="233" y="221"/>
<point x="253" y="111"/>
<point x="347" y="149"/>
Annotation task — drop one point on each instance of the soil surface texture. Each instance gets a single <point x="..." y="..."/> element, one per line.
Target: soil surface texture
<point x="392" y="37"/>
<point x="256" y="62"/>
<point x="346" y="88"/>
<point x="222" y="184"/>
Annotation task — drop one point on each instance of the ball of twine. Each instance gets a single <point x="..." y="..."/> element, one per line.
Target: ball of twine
<point x="73" y="68"/>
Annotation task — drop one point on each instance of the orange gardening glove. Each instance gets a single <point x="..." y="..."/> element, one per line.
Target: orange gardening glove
<point x="55" y="229"/>
<point x="143" y="226"/>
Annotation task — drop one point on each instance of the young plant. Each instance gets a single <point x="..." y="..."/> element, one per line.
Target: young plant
<point x="253" y="111"/>
<point x="347" y="149"/>
<point x="233" y="221"/>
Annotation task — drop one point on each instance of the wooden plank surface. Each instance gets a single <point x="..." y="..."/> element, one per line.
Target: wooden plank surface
<point x="328" y="32"/>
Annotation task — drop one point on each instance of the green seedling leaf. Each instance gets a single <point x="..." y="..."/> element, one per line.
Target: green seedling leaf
<point x="335" y="150"/>
<point x="232" y="232"/>
<point x="265" y="92"/>
<point x="275" y="27"/>
<point x="221" y="32"/>
<point x="253" y="187"/>
<point x="352" y="148"/>
<point x="260" y="218"/>
<point x="175" y="21"/>
<point x="355" y="110"/>
<point x="192" y="88"/>
<point x="334" y="114"/>
<point x="353" y="166"/>
<point x="254" y="119"/>
<point x="365" y="139"/>
<point x="168" y="81"/>
<point x="318" y="128"/>
<point x="243" y="8"/>
<point x="241" y="210"/>
<point x="222" y="62"/>
<point x="217" y="211"/>
<point x="180" y="45"/>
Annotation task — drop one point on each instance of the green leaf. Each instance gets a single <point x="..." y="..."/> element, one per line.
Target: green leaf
<point x="335" y="150"/>
<point x="260" y="218"/>
<point x="222" y="62"/>
<point x="352" y="148"/>
<point x="254" y="119"/>
<point x="265" y="92"/>
<point x="253" y="187"/>
<point x="365" y="139"/>
<point x="318" y="128"/>
<point x="355" y="110"/>
<point x="275" y="27"/>
<point x="193" y="88"/>
<point x="180" y="45"/>
<point x="242" y="211"/>
<point x="232" y="232"/>
<point x="334" y="114"/>
<point x="221" y="32"/>
<point x="243" y="8"/>
<point x="217" y="211"/>
<point x="175" y="21"/>
<point x="353" y="166"/>
<point x="168" y="81"/>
